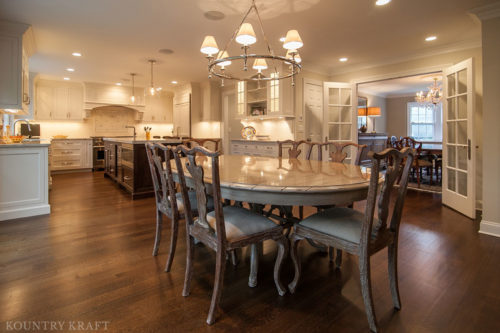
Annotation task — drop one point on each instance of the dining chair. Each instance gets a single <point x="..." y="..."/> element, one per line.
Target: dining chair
<point x="209" y="143"/>
<point x="420" y="162"/>
<point x="364" y="234"/>
<point x="168" y="201"/>
<point x="225" y="228"/>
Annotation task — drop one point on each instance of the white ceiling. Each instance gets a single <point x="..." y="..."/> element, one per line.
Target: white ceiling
<point x="117" y="37"/>
<point x="405" y="86"/>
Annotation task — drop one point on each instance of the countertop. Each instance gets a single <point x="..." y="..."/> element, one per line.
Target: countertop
<point x="262" y="141"/>
<point x="142" y="140"/>
<point x="33" y="144"/>
<point x="72" y="139"/>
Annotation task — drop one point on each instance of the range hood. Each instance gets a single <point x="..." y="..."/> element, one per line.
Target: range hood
<point x="100" y="95"/>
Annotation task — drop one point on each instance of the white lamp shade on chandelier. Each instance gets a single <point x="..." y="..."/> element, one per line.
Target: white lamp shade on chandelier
<point x="292" y="40"/>
<point x="209" y="46"/>
<point x="224" y="63"/>
<point x="246" y="35"/>
<point x="260" y="64"/>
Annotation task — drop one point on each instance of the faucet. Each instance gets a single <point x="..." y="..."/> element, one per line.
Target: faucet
<point x="13" y="129"/>
<point x="129" y="126"/>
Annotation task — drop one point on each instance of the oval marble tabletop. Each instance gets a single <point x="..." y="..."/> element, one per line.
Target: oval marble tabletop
<point x="283" y="181"/>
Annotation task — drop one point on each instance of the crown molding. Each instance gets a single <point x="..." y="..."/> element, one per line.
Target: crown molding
<point x="487" y="12"/>
<point x="449" y="48"/>
<point x="400" y="95"/>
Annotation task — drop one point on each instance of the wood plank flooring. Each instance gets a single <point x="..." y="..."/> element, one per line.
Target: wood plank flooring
<point x="90" y="260"/>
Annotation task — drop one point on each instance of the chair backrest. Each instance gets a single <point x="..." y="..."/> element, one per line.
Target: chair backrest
<point x="391" y="141"/>
<point x="319" y="146"/>
<point x="398" y="167"/>
<point x="194" y="159"/>
<point x="209" y="143"/>
<point x="159" y="158"/>
<point x="409" y="142"/>
<point x="339" y="155"/>
<point x="293" y="152"/>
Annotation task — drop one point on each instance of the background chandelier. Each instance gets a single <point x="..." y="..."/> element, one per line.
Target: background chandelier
<point x="433" y="96"/>
<point x="219" y="60"/>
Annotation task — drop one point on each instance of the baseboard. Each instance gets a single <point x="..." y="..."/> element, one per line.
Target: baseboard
<point x="24" y="212"/>
<point x="489" y="228"/>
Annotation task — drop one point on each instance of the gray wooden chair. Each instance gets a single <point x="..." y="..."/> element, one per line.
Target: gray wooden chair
<point x="169" y="202"/>
<point x="209" y="143"/>
<point x="364" y="234"/>
<point x="224" y="229"/>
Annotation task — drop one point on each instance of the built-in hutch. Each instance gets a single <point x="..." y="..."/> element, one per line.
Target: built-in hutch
<point x="16" y="46"/>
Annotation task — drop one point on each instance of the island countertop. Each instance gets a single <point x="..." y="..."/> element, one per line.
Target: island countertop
<point x="142" y="141"/>
<point x="33" y="144"/>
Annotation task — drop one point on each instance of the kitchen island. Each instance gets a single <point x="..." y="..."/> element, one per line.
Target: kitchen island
<point x="24" y="180"/>
<point x="126" y="163"/>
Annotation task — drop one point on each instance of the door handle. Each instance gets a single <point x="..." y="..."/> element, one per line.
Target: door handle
<point x="468" y="148"/>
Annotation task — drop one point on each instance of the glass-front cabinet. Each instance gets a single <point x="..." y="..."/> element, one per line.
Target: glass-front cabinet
<point x="265" y="99"/>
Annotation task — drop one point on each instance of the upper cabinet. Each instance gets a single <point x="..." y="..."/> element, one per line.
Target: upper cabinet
<point x="58" y="100"/>
<point x="159" y="107"/>
<point x="265" y="99"/>
<point x="16" y="46"/>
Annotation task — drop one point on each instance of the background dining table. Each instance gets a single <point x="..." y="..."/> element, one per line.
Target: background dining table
<point x="282" y="181"/>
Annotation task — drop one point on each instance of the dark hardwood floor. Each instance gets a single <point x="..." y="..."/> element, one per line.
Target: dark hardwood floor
<point x="90" y="260"/>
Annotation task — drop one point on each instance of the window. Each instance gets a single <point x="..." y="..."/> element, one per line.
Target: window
<point x="425" y="122"/>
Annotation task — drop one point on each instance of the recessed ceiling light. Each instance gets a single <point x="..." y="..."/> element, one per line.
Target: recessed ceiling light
<point x="70" y="69"/>
<point x="166" y="51"/>
<point x="382" y="2"/>
<point x="214" y="15"/>
<point x="174" y="82"/>
<point x="282" y="39"/>
<point x="76" y="54"/>
<point x="430" y="38"/>
<point x="66" y="79"/>
<point x="344" y="59"/>
<point x="118" y="83"/>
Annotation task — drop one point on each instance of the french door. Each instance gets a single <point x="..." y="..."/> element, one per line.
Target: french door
<point x="339" y="121"/>
<point x="459" y="155"/>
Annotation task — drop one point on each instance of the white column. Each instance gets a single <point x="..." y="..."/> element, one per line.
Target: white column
<point x="490" y="25"/>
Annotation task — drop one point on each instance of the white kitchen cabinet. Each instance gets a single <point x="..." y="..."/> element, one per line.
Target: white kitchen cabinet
<point x="58" y="100"/>
<point x="16" y="46"/>
<point x="182" y="119"/>
<point x="71" y="154"/>
<point x="272" y="99"/>
<point x="159" y="108"/>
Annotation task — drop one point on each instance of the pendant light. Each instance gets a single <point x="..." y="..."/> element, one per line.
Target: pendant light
<point x="152" y="89"/>
<point x="132" y="98"/>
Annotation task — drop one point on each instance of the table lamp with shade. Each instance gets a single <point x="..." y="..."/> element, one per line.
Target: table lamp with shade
<point x="372" y="111"/>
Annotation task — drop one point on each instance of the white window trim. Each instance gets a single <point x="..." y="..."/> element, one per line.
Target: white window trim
<point x="438" y="122"/>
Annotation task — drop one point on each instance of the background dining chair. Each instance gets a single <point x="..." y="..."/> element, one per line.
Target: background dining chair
<point x="364" y="234"/>
<point x="224" y="229"/>
<point x="211" y="144"/>
<point x="168" y="201"/>
<point x="420" y="161"/>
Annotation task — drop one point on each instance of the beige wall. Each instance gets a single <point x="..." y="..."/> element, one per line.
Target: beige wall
<point x="432" y="64"/>
<point x="380" y="122"/>
<point x="491" y="121"/>
<point x="397" y="115"/>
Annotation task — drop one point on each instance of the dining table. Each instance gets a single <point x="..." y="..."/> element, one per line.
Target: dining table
<point x="432" y="148"/>
<point x="282" y="181"/>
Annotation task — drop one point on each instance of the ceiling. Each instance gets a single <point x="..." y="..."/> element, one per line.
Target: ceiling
<point x="405" y="86"/>
<point x="117" y="37"/>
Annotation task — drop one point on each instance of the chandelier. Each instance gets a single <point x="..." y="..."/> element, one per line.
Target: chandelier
<point x="433" y="96"/>
<point x="219" y="60"/>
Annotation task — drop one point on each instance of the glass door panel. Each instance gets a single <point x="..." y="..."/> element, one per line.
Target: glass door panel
<point x="458" y="155"/>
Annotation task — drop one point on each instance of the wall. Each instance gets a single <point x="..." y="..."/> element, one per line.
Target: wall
<point x="380" y="122"/>
<point x="490" y="223"/>
<point x="432" y="64"/>
<point x="397" y="115"/>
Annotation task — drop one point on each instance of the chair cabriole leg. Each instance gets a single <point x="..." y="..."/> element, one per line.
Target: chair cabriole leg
<point x="220" y="268"/>
<point x="189" y="265"/>
<point x="173" y="243"/>
<point x="392" y="252"/>
<point x="159" y="221"/>
<point x="366" y="289"/>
